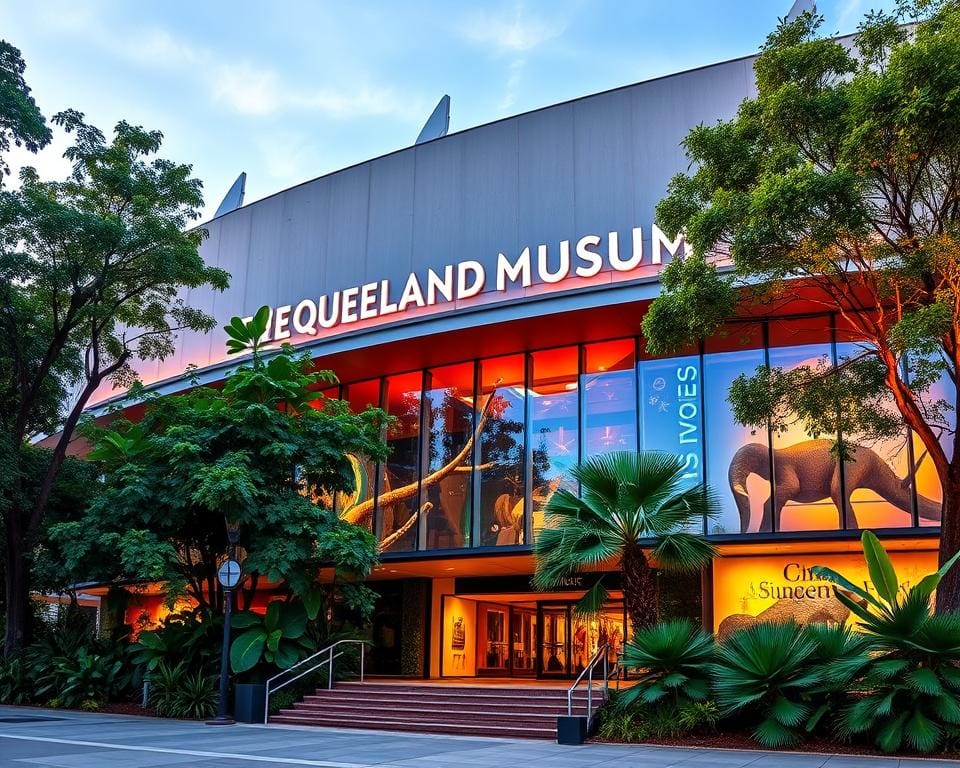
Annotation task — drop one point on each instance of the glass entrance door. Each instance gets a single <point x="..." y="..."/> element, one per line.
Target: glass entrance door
<point x="523" y="647"/>
<point x="555" y="649"/>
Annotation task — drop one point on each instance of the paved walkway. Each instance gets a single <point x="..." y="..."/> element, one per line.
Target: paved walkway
<point x="76" y="740"/>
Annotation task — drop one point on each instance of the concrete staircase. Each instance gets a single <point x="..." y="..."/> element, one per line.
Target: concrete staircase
<point x="519" y="711"/>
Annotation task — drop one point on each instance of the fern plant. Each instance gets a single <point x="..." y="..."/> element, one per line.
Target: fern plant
<point x="768" y="669"/>
<point x="672" y="661"/>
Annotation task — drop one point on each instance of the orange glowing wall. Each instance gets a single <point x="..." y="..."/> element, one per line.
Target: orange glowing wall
<point x="747" y="586"/>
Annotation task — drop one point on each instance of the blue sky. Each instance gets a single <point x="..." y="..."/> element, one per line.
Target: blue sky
<point x="288" y="91"/>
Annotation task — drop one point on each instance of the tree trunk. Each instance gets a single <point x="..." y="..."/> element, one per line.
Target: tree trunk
<point x="948" y="591"/>
<point x="639" y="588"/>
<point x="17" y="588"/>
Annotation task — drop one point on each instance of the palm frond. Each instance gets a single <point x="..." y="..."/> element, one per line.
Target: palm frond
<point x="683" y="552"/>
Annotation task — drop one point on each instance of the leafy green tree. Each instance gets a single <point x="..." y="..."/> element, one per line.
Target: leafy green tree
<point x="628" y="500"/>
<point x="91" y="270"/>
<point x="21" y="121"/>
<point x="839" y="179"/>
<point x="249" y="456"/>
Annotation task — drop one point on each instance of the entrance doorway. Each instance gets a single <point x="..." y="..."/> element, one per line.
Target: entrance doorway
<point x="545" y="639"/>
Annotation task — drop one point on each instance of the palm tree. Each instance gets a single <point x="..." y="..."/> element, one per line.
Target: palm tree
<point x="629" y="500"/>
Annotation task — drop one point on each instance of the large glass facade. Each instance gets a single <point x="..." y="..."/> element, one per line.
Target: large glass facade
<point x="398" y="508"/>
<point x="500" y="471"/>
<point x="608" y="387"/>
<point x="358" y="506"/>
<point x="478" y="447"/>
<point x="448" y="405"/>
<point x="807" y="491"/>
<point x="737" y="457"/>
<point x="554" y="425"/>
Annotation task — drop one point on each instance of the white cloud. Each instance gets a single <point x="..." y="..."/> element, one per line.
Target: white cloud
<point x="158" y="48"/>
<point x="513" y="83"/>
<point x="513" y="31"/>
<point x="253" y="91"/>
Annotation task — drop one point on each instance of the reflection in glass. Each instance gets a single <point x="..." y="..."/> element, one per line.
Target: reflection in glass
<point x="554" y="418"/>
<point x="360" y="395"/>
<point x="493" y="649"/>
<point x="806" y="472"/>
<point x="448" y="419"/>
<point x="610" y="402"/>
<point x="397" y="498"/>
<point x="501" y="520"/>
<point x="553" y="657"/>
<point x="929" y="489"/>
<point x="738" y="457"/>
<point x="878" y="484"/>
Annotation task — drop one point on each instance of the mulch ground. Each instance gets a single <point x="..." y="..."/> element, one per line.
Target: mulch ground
<point x="735" y="740"/>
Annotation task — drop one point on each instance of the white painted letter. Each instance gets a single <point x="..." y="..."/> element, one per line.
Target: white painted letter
<point x="507" y="271"/>
<point x="368" y="301"/>
<point x="437" y="285"/>
<point x="543" y="269"/>
<point x="334" y="302"/>
<point x="591" y="257"/>
<point x="465" y="291"/>
<point x="625" y="265"/>
<point x="659" y="240"/>
<point x="387" y="307"/>
<point x="281" y="328"/>
<point x="309" y="326"/>
<point x="412" y="294"/>
<point x="348" y="308"/>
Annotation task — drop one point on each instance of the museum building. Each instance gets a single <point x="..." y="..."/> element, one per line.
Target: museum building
<point x="487" y="289"/>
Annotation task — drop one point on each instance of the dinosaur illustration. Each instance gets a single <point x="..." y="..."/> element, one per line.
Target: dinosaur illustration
<point x="823" y="610"/>
<point x="357" y="506"/>
<point x="808" y="472"/>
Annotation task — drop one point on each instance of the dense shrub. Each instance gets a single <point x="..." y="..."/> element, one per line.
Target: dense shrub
<point x="175" y="692"/>
<point x="671" y="660"/>
<point x="192" y="638"/>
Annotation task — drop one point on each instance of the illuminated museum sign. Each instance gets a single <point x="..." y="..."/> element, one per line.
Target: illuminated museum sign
<point x="542" y="264"/>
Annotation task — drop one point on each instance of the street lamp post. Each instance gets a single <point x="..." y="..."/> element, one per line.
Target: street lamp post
<point x="228" y="575"/>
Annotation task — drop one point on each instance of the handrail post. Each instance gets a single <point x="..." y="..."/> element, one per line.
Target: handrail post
<point x="589" y="695"/>
<point x="330" y="669"/>
<point x="363" y="651"/>
<point x="266" y="702"/>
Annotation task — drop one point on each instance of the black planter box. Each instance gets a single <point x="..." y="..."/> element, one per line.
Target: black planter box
<point x="571" y="730"/>
<point x="248" y="702"/>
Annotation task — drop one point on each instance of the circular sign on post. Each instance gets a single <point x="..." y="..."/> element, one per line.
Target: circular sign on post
<point x="229" y="573"/>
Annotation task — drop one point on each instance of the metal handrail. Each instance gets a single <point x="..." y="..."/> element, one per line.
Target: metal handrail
<point x="330" y="656"/>
<point x="598" y="656"/>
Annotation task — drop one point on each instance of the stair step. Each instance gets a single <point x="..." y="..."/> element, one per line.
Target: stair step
<point x="492" y="711"/>
<point x="466" y="707"/>
<point x="462" y="729"/>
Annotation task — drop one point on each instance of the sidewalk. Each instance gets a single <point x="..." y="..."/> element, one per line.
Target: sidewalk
<point x="32" y="737"/>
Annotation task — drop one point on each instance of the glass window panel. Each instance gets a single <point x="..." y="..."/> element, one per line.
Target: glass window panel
<point x="448" y="419"/>
<point x="397" y="507"/>
<point x="610" y="397"/>
<point x="807" y="494"/>
<point x="877" y="478"/>
<point x="501" y="469"/>
<point x="360" y="395"/>
<point x="738" y="457"/>
<point x="554" y="418"/>
<point x="929" y="490"/>
<point x="670" y="412"/>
